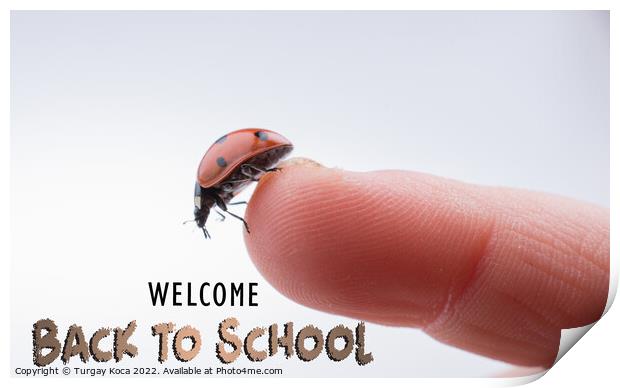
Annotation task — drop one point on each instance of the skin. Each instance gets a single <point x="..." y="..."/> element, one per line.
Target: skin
<point x="495" y="271"/>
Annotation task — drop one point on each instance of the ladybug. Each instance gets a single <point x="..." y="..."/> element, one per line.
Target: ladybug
<point x="233" y="162"/>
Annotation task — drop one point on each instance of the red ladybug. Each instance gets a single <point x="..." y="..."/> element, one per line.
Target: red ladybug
<point x="230" y="164"/>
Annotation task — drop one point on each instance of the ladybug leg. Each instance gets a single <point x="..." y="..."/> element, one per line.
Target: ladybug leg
<point x="260" y="169"/>
<point x="238" y="203"/>
<point x="247" y="171"/>
<point x="222" y="205"/>
<point x="251" y="171"/>
<point x="223" y="217"/>
<point x="247" y="228"/>
<point x="204" y="231"/>
<point x="229" y="185"/>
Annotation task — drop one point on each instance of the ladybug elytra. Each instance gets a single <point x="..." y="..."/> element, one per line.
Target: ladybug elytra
<point x="233" y="162"/>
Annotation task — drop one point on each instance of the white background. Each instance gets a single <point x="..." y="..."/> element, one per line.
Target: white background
<point x="112" y="112"/>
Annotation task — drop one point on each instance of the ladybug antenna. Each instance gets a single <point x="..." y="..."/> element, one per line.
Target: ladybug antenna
<point x="204" y="231"/>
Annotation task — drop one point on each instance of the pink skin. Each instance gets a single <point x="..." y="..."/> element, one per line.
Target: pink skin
<point x="494" y="271"/>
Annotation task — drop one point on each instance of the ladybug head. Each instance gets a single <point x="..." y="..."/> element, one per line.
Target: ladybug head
<point x="200" y="216"/>
<point x="201" y="209"/>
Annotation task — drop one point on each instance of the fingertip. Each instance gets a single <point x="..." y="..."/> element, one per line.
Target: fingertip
<point x="357" y="244"/>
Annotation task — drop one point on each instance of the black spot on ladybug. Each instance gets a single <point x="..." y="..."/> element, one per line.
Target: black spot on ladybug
<point x="221" y="139"/>
<point x="261" y="135"/>
<point x="221" y="162"/>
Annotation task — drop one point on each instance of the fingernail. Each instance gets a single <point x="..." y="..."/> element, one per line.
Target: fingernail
<point x="299" y="161"/>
